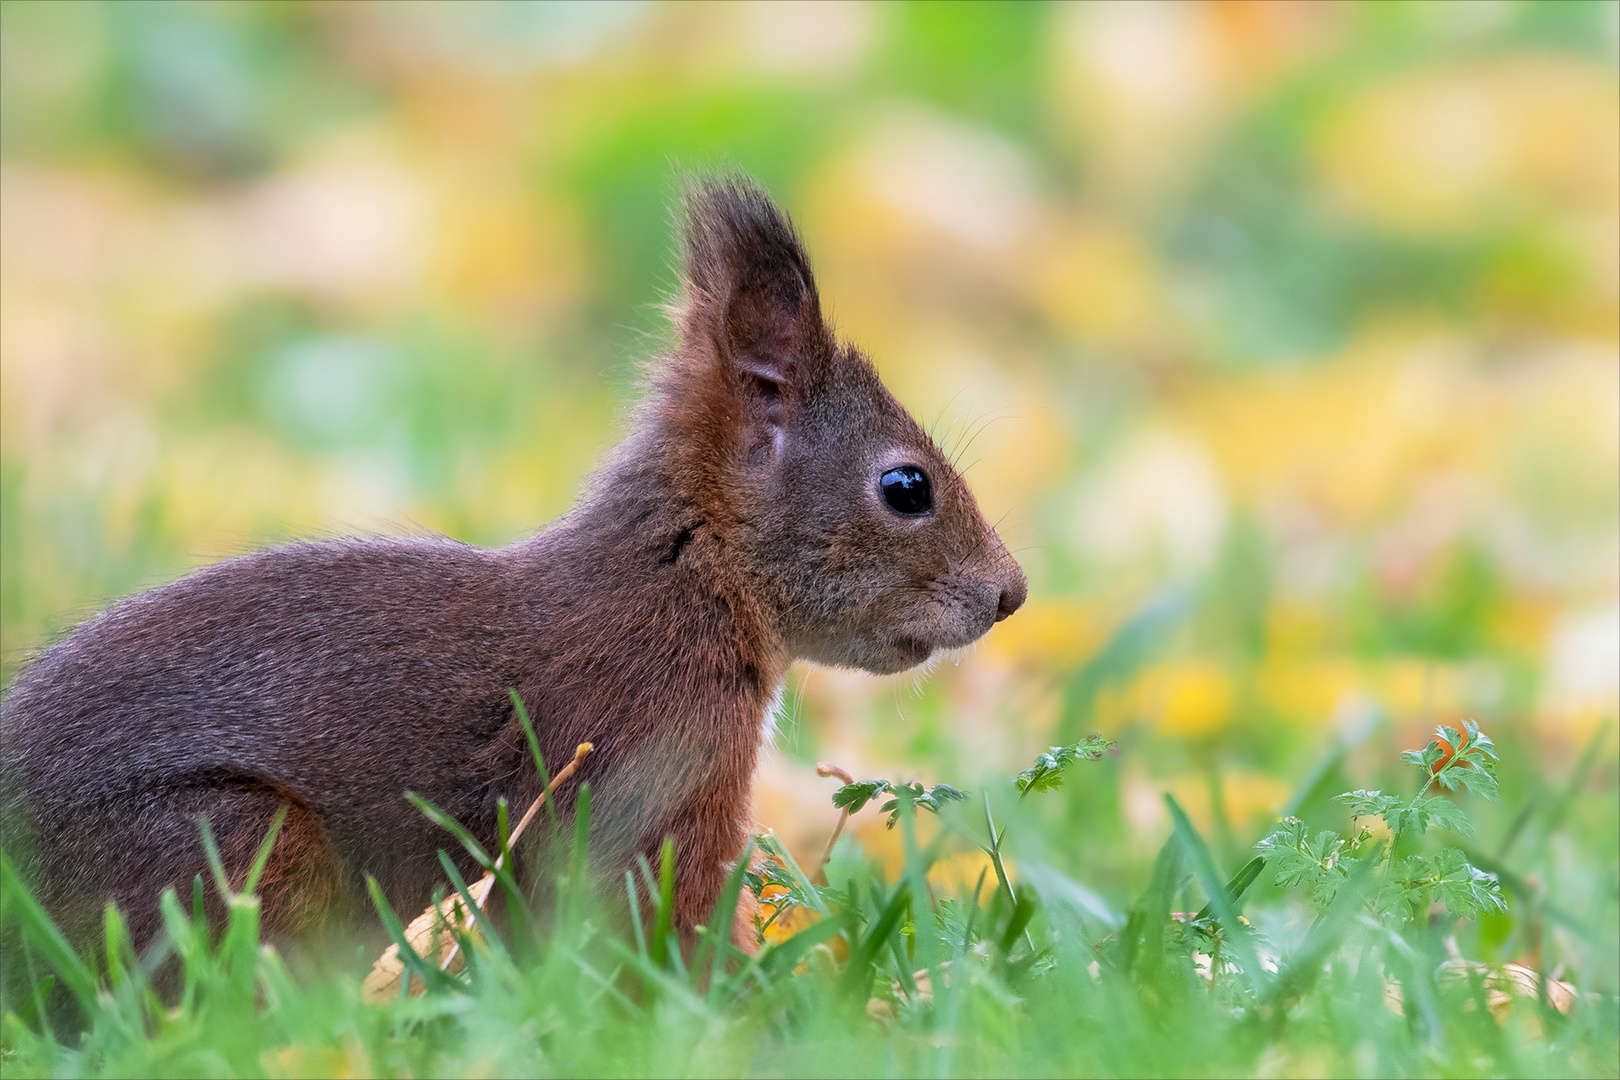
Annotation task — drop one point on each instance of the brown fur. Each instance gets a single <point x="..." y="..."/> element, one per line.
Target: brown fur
<point x="739" y="526"/>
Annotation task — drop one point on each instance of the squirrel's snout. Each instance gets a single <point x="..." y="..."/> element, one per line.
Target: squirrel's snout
<point x="1013" y="595"/>
<point x="1014" y="585"/>
<point x="1010" y="603"/>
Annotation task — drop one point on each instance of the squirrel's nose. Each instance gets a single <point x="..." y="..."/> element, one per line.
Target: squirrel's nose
<point x="1012" y="598"/>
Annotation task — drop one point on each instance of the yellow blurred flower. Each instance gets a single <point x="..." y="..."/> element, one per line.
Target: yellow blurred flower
<point x="956" y="875"/>
<point x="1307" y="689"/>
<point x="1192" y="698"/>
<point x="1414" y="686"/>
<point x="1247" y="798"/>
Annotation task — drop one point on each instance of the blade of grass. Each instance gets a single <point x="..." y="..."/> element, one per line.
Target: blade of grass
<point x="534" y="752"/>
<point x="903" y="964"/>
<point x="33" y="1004"/>
<point x="1226" y="909"/>
<point x="857" y="977"/>
<point x="1240" y="883"/>
<point x="606" y="983"/>
<point x="664" y="918"/>
<point x="725" y="913"/>
<point x="503" y="831"/>
<point x="1142" y="940"/>
<point x="133" y="996"/>
<point x="509" y="885"/>
<point x="670" y="985"/>
<point x="485" y="926"/>
<point x="1417" y="979"/>
<point x="924" y="943"/>
<point x="215" y="865"/>
<point x="250" y="885"/>
<point x="190" y="942"/>
<point x="1023" y="910"/>
<point x="635" y="912"/>
<point x="112" y="925"/>
<point x="43" y="934"/>
<point x="454" y="828"/>
<point x="973" y="914"/>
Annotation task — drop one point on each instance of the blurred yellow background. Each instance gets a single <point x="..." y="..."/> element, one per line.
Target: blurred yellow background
<point x="1281" y="337"/>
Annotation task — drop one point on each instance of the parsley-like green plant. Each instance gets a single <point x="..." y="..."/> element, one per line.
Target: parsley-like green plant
<point x="1320" y="862"/>
<point x="1050" y="765"/>
<point x="1045" y="774"/>
<point x="853" y="797"/>
<point x="794" y="892"/>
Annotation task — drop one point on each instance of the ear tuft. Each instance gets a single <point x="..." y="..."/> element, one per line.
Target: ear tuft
<point x="749" y="290"/>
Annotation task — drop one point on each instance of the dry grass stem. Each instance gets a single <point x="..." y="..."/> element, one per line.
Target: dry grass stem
<point x="819" y="877"/>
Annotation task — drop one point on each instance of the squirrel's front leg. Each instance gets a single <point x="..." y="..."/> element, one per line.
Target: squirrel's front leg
<point x="707" y="846"/>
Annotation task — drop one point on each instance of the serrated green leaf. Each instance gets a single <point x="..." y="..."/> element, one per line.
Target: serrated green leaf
<point x="1407" y="819"/>
<point x="1447" y="815"/>
<point x="931" y="799"/>
<point x="1048" y="771"/>
<point x="1300" y="859"/>
<point x="1363" y="803"/>
<point x="1481" y="782"/>
<point x="854" y="797"/>
<point x="1465" y="890"/>
<point x="936" y="797"/>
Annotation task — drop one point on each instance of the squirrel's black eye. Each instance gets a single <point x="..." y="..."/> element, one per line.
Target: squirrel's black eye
<point x="907" y="491"/>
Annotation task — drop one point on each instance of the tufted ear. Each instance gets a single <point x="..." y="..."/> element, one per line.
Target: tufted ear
<point x="751" y="305"/>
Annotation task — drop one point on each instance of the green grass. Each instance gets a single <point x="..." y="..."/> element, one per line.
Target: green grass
<point x="1038" y="976"/>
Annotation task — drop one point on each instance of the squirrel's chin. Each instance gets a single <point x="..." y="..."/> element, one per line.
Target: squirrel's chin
<point x="903" y="654"/>
<point x="895" y="655"/>
<point x="874" y="655"/>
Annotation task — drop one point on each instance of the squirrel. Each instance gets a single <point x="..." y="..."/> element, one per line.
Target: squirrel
<point x="772" y="501"/>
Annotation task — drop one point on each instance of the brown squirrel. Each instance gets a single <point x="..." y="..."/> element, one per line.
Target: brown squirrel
<point x="771" y="502"/>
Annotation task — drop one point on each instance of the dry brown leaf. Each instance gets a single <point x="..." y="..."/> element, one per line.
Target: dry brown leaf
<point x="1504" y="984"/>
<point x="433" y="933"/>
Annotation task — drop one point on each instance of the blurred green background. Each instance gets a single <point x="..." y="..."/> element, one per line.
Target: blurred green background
<point x="1281" y="337"/>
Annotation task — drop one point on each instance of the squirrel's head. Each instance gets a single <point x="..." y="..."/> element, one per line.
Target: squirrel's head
<point x="829" y="503"/>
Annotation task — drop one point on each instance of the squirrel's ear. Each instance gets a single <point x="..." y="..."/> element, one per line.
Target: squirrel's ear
<point x="750" y="299"/>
